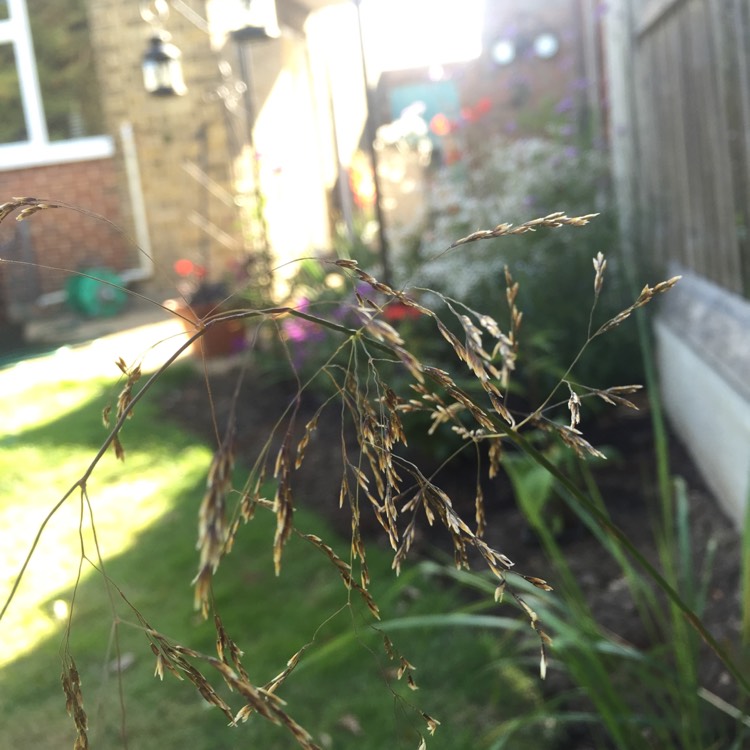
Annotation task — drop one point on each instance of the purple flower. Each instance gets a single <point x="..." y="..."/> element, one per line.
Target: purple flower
<point x="564" y="105"/>
<point x="300" y="330"/>
<point x="296" y="329"/>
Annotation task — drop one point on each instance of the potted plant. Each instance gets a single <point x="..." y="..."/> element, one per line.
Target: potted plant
<point x="199" y="299"/>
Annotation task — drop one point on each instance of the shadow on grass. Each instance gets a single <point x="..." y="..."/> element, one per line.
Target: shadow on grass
<point x="82" y="425"/>
<point x="347" y="696"/>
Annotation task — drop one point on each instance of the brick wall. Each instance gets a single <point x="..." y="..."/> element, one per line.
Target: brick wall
<point x="527" y="95"/>
<point x="529" y="84"/>
<point x="62" y="238"/>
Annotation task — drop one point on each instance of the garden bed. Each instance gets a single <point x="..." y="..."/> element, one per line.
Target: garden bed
<point x="627" y="480"/>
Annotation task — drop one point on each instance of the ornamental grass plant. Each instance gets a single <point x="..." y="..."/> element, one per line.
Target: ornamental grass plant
<point x="375" y="378"/>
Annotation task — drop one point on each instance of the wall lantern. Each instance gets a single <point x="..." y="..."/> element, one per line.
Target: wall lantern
<point x="162" y="67"/>
<point x="161" y="64"/>
<point x="243" y="20"/>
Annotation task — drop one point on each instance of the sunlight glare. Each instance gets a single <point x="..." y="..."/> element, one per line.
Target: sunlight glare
<point x="60" y="609"/>
<point x="123" y="511"/>
<point x="403" y="34"/>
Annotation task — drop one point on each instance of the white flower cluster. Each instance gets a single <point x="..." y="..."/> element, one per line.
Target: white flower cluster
<point x="500" y="180"/>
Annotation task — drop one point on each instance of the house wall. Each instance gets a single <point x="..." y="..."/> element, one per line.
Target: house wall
<point x="290" y="167"/>
<point x="340" y="103"/>
<point x="529" y="94"/>
<point x="281" y="168"/>
<point x="53" y="147"/>
<point x="184" y="218"/>
<point x="62" y="238"/>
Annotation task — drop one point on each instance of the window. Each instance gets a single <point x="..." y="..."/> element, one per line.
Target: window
<point x="12" y="123"/>
<point x="49" y="102"/>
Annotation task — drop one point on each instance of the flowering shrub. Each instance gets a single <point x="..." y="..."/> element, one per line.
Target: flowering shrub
<point x="516" y="179"/>
<point x="508" y="178"/>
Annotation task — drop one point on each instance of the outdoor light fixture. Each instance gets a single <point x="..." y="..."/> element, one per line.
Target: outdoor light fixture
<point x="253" y="34"/>
<point x="257" y="21"/>
<point x="505" y="51"/>
<point x="162" y="67"/>
<point x="162" y="62"/>
<point x="546" y="46"/>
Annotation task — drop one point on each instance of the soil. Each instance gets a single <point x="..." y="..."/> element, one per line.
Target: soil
<point x="627" y="481"/>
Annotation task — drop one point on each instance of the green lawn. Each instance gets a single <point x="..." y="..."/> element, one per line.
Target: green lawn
<point x="145" y="510"/>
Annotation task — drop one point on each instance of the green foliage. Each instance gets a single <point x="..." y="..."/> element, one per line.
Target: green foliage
<point x="342" y="688"/>
<point x="631" y="694"/>
<point x="649" y="697"/>
<point x="617" y="695"/>
<point x="507" y="181"/>
<point x="534" y="488"/>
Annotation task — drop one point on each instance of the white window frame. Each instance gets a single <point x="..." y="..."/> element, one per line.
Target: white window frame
<point x="37" y="150"/>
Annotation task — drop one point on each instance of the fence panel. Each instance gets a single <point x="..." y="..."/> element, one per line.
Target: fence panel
<point x="691" y="73"/>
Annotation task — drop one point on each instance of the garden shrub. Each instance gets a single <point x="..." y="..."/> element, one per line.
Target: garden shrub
<point x="516" y="179"/>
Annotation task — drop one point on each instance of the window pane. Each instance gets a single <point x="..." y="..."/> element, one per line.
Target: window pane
<point x="12" y="123"/>
<point x="4" y="10"/>
<point x="66" y="71"/>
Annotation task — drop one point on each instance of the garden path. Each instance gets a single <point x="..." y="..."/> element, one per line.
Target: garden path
<point x="140" y="334"/>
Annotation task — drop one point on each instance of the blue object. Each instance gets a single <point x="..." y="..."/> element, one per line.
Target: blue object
<point x="438" y="97"/>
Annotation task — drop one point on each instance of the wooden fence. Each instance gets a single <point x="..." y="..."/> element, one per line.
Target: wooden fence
<point x="680" y="88"/>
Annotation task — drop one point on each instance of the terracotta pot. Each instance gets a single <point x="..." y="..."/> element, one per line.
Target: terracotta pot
<point x="220" y="340"/>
